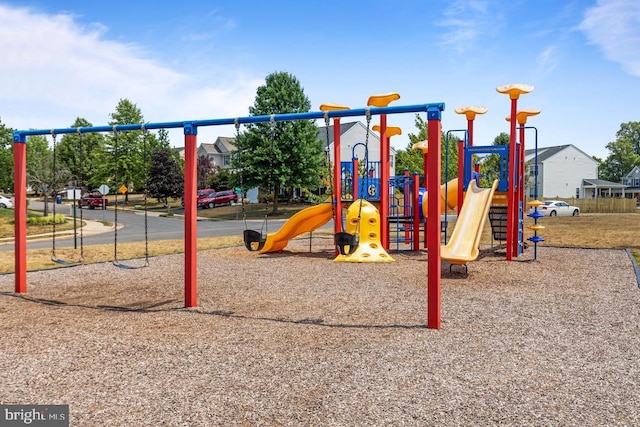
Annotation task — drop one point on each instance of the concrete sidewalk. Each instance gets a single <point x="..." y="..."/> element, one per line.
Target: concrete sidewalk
<point x="90" y="228"/>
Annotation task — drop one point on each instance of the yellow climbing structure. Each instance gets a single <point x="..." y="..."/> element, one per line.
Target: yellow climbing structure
<point x="370" y="249"/>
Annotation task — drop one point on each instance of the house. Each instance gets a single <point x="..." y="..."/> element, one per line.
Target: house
<point x="602" y="188"/>
<point x="352" y="143"/>
<point x="352" y="139"/>
<point x="219" y="152"/>
<point x="632" y="181"/>
<point x="564" y="171"/>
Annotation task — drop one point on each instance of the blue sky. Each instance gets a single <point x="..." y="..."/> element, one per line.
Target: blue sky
<point x="198" y="59"/>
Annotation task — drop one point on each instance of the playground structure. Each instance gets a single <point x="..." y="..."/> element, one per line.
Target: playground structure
<point x="374" y="243"/>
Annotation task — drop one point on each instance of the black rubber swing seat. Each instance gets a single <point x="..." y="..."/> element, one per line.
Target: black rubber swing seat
<point x="253" y="240"/>
<point x="64" y="262"/>
<point x="342" y="240"/>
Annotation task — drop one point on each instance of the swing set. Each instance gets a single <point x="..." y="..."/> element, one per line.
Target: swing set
<point x="116" y="262"/>
<point x="253" y="238"/>
<point x="54" y="257"/>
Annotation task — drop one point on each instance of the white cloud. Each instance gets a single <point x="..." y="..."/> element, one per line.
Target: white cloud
<point x="613" y="26"/>
<point x="55" y="69"/>
<point x="547" y="60"/>
<point x="465" y="21"/>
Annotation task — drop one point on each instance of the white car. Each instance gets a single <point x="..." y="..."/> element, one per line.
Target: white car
<point x="5" y="202"/>
<point x="557" y="207"/>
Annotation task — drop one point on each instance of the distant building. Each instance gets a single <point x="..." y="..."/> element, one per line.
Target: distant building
<point x="564" y="171"/>
<point x="632" y="181"/>
<point x="219" y="152"/>
<point x="352" y="140"/>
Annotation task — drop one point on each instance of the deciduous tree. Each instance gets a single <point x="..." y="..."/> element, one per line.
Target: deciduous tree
<point x="624" y="153"/>
<point x="280" y="154"/>
<point x="6" y="158"/>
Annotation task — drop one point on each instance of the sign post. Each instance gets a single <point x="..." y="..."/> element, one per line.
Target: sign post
<point x="104" y="190"/>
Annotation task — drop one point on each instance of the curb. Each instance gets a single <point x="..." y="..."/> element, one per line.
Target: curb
<point x="636" y="268"/>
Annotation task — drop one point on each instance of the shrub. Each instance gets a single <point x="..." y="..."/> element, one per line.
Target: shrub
<point x="46" y="220"/>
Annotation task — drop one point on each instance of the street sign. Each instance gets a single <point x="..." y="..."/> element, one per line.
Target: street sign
<point x="123" y="189"/>
<point x="104" y="189"/>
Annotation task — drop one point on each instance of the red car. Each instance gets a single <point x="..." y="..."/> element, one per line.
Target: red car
<point x="201" y="194"/>
<point x="226" y="197"/>
<point x="93" y="200"/>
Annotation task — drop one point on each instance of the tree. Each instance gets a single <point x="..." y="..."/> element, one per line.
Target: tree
<point x="165" y="175"/>
<point x="205" y="169"/>
<point x="6" y="158"/>
<point x="122" y="157"/>
<point x="41" y="173"/>
<point x="222" y="179"/>
<point x="79" y="153"/>
<point x="280" y="154"/>
<point x="624" y="153"/>
<point x="490" y="165"/>
<point x="414" y="159"/>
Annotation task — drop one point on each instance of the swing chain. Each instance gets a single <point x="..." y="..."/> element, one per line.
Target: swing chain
<point x="272" y="122"/>
<point x="334" y="192"/>
<point x="236" y="123"/>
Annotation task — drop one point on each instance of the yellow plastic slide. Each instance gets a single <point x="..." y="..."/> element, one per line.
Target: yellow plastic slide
<point x="304" y="221"/>
<point x="464" y="244"/>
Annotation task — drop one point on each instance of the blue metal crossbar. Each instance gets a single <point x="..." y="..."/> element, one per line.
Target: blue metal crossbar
<point x="190" y="127"/>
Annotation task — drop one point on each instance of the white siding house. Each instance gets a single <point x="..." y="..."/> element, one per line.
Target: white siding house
<point x="352" y="139"/>
<point x="561" y="171"/>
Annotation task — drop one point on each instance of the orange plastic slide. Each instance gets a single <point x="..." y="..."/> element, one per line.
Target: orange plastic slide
<point x="304" y="221"/>
<point x="464" y="244"/>
<point x="451" y="192"/>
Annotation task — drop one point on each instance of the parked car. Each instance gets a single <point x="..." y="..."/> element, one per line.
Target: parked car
<point x="557" y="207"/>
<point x="225" y="197"/>
<point x="92" y="200"/>
<point x="201" y="194"/>
<point x="5" y="202"/>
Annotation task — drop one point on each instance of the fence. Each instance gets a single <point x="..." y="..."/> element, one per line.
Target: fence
<point x="604" y="205"/>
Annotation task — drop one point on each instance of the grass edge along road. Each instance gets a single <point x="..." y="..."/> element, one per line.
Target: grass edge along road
<point x="586" y="231"/>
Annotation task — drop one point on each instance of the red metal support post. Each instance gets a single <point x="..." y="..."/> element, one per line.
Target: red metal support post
<point x="190" y="218"/>
<point x="434" y="126"/>
<point x="355" y="179"/>
<point x="20" y="212"/>
<point x="384" y="182"/>
<point x="385" y="150"/>
<point x="514" y="92"/>
<point x="460" y="174"/>
<point x="511" y="187"/>
<point x="337" y="177"/>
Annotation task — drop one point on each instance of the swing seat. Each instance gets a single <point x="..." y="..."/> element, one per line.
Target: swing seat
<point x="128" y="267"/>
<point x="251" y="238"/>
<point x="341" y="240"/>
<point x="64" y="262"/>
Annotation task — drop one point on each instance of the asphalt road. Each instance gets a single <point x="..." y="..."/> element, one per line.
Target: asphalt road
<point x="131" y="227"/>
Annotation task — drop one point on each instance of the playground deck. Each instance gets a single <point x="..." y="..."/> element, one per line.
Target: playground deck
<point x="293" y="338"/>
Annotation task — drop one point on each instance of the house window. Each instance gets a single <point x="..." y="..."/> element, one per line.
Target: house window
<point x="226" y="160"/>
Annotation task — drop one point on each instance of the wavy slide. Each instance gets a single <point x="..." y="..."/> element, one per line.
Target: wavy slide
<point x="304" y="221"/>
<point x="464" y="244"/>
